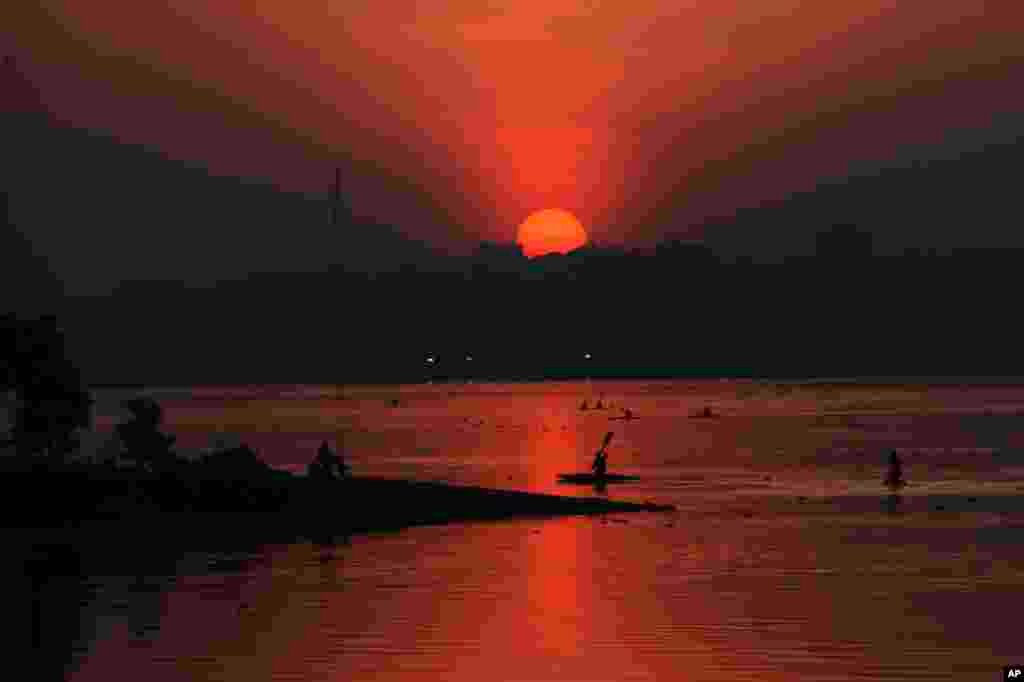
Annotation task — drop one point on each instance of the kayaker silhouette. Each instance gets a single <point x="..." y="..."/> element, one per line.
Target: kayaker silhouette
<point x="600" y="465"/>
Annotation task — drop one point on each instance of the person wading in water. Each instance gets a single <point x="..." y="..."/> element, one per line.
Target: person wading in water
<point x="894" y="477"/>
<point x="328" y="466"/>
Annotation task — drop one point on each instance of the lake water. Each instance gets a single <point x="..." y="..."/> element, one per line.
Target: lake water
<point x="785" y="559"/>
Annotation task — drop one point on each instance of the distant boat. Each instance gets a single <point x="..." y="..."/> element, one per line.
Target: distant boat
<point x="586" y="478"/>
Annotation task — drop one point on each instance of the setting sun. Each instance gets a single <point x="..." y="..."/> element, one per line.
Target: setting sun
<point x="550" y="231"/>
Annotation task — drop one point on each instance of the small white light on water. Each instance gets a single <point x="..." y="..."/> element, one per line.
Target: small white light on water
<point x="430" y="359"/>
<point x="587" y="356"/>
<point x="469" y="358"/>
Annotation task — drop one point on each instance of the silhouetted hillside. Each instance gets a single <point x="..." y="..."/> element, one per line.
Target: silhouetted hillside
<point x="963" y="197"/>
<point x="106" y="212"/>
<point x="28" y="284"/>
<point x="676" y="311"/>
<point x="890" y="270"/>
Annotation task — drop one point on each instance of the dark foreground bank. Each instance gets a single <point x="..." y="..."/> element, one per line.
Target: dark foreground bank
<point x="195" y="502"/>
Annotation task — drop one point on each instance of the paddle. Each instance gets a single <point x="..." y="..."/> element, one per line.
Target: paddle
<point x="607" y="439"/>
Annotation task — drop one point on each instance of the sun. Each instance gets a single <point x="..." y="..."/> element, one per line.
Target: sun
<point x="552" y="230"/>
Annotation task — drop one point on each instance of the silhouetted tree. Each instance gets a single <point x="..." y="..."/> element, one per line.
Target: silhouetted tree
<point x="140" y="436"/>
<point x="236" y="478"/>
<point x="51" y="400"/>
<point x="236" y="462"/>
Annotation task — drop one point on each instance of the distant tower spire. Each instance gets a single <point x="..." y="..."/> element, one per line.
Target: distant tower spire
<point x="335" y="196"/>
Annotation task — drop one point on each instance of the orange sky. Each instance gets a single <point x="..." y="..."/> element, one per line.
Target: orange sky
<point x="613" y="110"/>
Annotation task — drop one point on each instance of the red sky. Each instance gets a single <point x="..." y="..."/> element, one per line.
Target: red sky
<point x="629" y="114"/>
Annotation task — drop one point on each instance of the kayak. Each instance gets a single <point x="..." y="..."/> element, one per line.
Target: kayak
<point x="581" y="477"/>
